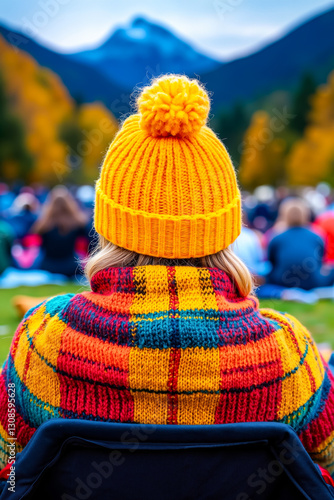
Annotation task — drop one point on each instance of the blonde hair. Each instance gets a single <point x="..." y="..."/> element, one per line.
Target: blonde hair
<point x="106" y="254"/>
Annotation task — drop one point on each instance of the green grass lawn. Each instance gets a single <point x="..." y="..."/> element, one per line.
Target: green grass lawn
<point x="319" y="318"/>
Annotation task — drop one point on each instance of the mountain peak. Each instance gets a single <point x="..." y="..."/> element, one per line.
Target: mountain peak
<point x="143" y="47"/>
<point x="139" y="29"/>
<point x="140" y="21"/>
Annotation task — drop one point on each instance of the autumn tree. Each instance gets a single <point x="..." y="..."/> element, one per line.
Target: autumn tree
<point x="263" y="151"/>
<point x="88" y="133"/>
<point x="41" y="103"/>
<point x="312" y="158"/>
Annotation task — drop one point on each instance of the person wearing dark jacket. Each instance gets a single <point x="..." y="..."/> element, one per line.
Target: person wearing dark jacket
<point x="297" y="254"/>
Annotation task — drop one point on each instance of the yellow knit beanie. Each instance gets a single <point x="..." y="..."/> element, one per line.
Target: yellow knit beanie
<point x="167" y="186"/>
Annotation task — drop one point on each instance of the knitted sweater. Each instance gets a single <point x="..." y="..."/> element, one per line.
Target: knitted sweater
<point x="166" y="345"/>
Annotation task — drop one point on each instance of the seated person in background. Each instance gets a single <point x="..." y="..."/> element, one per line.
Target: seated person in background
<point x="60" y="224"/>
<point x="170" y="331"/>
<point x="297" y="254"/>
<point x="23" y="214"/>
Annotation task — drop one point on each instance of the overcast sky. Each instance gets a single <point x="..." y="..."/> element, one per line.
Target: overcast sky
<point x="221" y="28"/>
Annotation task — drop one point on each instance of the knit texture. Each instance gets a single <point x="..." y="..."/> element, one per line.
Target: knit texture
<point x="167" y="186"/>
<point x="166" y="345"/>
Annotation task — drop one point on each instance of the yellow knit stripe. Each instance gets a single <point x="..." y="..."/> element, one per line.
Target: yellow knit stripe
<point x="208" y="294"/>
<point x="297" y="388"/>
<point x="32" y="323"/>
<point x="197" y="409"/>
<point x="36" y="370"/>
<point x="152" y="281"/>
<point x="199" y="282"/>
<point x="150" y="408"/>
<point x="149" y="369"/>
<point x="199" y="370"/>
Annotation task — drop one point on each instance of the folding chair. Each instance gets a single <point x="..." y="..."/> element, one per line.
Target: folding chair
<point x="81" y="460"/>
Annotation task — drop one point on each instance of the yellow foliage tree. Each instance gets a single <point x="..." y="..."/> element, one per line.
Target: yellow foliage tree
<point x="262" y="153"/>
<point x="88" y="133"/>
<point x="98" y="127"/>
<point x="39" y="98"/>
<point x="312" y="158"/>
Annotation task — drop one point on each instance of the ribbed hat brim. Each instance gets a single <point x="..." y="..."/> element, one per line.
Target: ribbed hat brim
<point x="158" y="235"/>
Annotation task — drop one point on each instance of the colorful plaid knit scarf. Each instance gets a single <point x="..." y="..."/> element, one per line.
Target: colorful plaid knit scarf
<point x="166" y="345"/>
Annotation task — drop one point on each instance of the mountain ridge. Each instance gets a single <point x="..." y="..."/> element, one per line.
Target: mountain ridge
<point x="296" y="57"/>
<point x="281" y="64"/>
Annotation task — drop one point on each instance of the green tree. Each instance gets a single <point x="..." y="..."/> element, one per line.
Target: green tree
<point x="230" y="126"/>
<point x="301" y="103"/>
<point x="15" y="160"/>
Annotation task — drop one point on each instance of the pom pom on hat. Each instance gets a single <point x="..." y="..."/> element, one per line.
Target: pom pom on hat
<point x="173" y="106"/>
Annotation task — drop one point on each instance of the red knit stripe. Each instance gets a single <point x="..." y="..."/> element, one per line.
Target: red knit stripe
<point x="175" y="354"/>
<point x="92" y="370"/>
<point x="83" y="399"/>
<point x="260" y="405"/>
<point x="172" y="398"/>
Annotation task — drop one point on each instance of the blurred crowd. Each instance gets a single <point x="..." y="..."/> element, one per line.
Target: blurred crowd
<point x="287" y="239"/>
<point x="46" y="230"/>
